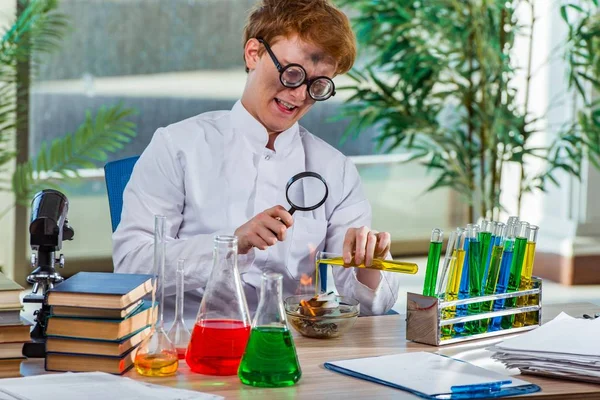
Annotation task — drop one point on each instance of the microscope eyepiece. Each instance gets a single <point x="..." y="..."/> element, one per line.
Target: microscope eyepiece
<point x="49" y="224"/>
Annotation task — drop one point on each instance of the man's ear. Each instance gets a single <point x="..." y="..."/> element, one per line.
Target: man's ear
<point x="251" y="54"/>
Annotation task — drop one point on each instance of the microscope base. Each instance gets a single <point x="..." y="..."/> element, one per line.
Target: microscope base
<point x="35" y="349"/>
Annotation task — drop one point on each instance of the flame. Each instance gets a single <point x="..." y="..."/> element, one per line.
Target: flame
<point x="307" y="306"/>
<point x="307" y="283"/>
<point x="306" y="280"/>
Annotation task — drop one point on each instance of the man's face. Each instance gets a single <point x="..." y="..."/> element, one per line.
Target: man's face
<point x="272" y="104"/>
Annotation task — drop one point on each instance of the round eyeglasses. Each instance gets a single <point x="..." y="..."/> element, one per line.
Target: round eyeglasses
<point x="294" y="75"/>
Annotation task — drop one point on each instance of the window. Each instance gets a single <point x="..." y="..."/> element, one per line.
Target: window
<point x="174" y="59"/>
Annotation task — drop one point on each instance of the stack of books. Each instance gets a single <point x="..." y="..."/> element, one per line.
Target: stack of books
<point x="14" y="330"/>
<point x="97" y="321"/>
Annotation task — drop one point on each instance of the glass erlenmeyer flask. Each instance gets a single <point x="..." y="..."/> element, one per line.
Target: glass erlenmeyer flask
<point x="156" y="355"/>
<point x="222" y="326"/>
<point x="179" y="334"/>
<point x="270" y="358"/>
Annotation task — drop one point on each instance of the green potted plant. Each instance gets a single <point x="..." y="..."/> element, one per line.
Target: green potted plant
<point x="439" y="83"/>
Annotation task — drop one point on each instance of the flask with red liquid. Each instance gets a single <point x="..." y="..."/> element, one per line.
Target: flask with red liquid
<point x="223" y="324"/>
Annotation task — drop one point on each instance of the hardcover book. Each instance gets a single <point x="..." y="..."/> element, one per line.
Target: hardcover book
<point x="100" y="290"/>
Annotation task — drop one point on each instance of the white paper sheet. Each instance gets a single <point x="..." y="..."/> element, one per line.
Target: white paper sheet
<point x="425" y="372"/>
<point x="565" y="347"/>
<point x="564" y="334"/>
<point x="91" y="386"/>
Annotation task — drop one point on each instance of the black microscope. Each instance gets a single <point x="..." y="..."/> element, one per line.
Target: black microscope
<point x="48" y="228"/>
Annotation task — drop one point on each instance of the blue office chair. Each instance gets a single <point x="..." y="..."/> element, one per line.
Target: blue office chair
<point x="116" y="175"/>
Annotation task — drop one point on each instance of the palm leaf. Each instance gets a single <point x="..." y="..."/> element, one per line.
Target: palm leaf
<point x="96" y="138"/>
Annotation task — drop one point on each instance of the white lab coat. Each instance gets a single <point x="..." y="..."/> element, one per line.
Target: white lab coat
<point x="211" y="173"/>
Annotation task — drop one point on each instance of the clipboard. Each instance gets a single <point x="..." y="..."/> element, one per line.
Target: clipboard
<point x="432" y="376"/>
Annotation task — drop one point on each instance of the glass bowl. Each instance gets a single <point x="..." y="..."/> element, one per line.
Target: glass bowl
<point x="326" y="326"/>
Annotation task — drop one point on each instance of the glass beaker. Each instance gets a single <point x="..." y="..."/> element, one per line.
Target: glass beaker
<point x="270" y="358"/>
<point x="222" y="326"/>
<point x="179" y="334"/>
<point x="156" y="355"/>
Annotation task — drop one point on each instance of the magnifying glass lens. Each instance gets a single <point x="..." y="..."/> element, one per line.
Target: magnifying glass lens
<point x="306" y="191"/>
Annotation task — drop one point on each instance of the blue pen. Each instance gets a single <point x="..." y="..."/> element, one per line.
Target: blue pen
<point x="481" y="387"/>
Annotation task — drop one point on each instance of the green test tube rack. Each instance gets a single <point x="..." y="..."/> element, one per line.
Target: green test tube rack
<point x="424" y="315"/>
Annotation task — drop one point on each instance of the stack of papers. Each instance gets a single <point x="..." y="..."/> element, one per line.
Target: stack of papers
<point x="565" y="347"/>
<point x="91" y="386"/>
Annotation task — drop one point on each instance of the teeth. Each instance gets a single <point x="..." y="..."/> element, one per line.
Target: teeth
<point x="287" y="105"/>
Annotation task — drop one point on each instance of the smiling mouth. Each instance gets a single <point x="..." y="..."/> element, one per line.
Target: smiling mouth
<point x="285" y="105"/>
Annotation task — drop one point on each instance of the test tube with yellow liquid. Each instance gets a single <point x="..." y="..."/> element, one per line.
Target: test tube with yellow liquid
<point x="453" y="266"/>
<point x="402" y="267"/>
<point x="529" y="318"/>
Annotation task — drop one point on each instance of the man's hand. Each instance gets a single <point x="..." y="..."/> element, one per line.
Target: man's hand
<point x="264" y="230"/>
<point x="365" y="245"/>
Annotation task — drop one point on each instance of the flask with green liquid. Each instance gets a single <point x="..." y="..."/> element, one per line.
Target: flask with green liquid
<point x="270" y="358"/>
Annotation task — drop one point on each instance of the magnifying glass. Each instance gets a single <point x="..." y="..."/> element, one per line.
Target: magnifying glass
<point x="306" y="191"/>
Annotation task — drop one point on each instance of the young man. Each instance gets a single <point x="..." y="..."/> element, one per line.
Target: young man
<point x="225" y="172"/>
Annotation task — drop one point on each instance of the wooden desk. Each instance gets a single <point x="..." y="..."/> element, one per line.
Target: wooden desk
<point x="371" y="336"/>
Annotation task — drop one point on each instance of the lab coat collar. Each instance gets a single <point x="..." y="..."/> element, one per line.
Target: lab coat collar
<point x="256" y="135"/>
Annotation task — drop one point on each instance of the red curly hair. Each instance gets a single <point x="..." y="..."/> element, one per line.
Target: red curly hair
<point x="317" y="22"/>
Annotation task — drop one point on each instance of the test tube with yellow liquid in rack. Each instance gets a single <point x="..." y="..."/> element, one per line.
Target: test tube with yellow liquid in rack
<point x="451" y="275"/>
<point x="526" y="273"/>
<point x="403" y="267"/>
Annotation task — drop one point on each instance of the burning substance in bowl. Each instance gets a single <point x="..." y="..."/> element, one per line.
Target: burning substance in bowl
<point x="323" y="316"/>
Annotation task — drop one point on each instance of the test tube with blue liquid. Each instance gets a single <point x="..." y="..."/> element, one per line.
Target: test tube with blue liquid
<point x="504" y="273"/>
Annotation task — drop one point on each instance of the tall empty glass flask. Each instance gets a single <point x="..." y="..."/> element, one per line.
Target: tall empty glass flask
<point x="156" y="355"/>
<point x="179" y="334"/>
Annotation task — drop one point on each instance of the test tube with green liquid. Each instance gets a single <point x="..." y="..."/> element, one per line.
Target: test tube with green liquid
<point x="516" y="267"/>
<point x="529" y="318"/>
<point x="433" y="262"/>
<point x="454" y="276"/>
<point x="494" y="270"/>
<point x="486" y="237"/>
<point x="474" y="327"/>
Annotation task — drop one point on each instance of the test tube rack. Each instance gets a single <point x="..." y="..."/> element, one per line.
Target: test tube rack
<point x="424" y="320"/>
